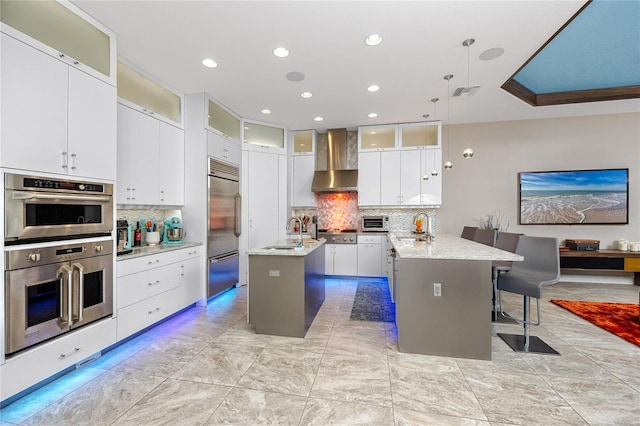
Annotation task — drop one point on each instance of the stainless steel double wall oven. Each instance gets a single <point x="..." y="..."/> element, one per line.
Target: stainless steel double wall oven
<point x="58" y="257"/>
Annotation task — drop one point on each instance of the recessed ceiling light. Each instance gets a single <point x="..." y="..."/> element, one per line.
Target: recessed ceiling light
<point x="266" y="111"/>
<point x="493" y="53"/>
<point x="209" y="63"/>
<point x="318" y="119"/>
<point x="281" y="52"/>
<point x="373" y="40"/>
<point x="306" y="95"/>
<point x="372" y="115"/>
<point x="373" y="88"/>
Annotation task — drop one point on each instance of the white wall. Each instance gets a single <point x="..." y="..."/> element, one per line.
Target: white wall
<point x="489" y="181"/>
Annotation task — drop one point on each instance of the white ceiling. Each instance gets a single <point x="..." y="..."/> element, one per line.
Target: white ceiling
<point x="422" y="43"/>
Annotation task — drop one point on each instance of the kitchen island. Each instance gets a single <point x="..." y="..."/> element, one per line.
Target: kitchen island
<point x="286" y="287"/>
<point x="443" y="294"/>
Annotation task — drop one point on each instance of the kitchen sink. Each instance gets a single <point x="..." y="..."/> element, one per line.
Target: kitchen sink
<point x="279" y="247"/>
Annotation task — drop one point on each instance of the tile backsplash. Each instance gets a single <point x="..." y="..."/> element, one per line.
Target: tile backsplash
<point x="140" y="215"/>
<point x="340" y="210"/>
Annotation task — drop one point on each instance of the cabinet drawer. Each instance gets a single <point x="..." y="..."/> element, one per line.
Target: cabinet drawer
<point x="135" y="317"/>
<point x="144" y="263"/>
<point x="632" y="263"/>
<point x="136" y="287"/>
<point x="370" y="239"/>
<point x="34" y="365"/>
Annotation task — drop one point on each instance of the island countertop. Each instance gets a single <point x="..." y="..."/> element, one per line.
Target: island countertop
<point x="288" y="248"/>
<point x="445" y="246"/>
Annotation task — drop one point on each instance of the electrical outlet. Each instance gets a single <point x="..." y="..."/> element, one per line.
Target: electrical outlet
<point x="274" y="272"/>
<point x="437" y="289"/>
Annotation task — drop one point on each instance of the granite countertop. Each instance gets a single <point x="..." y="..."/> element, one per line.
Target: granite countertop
<point x="155" y="249"/>
<point x="309" y="245"/>
<point x="445" y="246"/>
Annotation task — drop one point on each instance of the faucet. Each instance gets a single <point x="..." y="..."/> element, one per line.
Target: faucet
<point x="299" y="241"/>
<point x="427" y="227"/>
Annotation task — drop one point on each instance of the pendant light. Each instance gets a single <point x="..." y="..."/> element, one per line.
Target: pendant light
<point x="468" y="152"/>
<point x="448" y="164"/>
<point x="434" y="172"/>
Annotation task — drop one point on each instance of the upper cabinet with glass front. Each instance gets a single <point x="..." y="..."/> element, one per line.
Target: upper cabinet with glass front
<point x="377" y="138"/>
<point x="420" y="135"/>
<point x="257" y="136"/>
<point x="142" y="93"/>
<point x="223" y="121"/>
<point x="304" y="142"/>
<point x="64" y="31"/>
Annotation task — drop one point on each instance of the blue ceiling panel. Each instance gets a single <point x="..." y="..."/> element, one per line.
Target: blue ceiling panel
<point x="599" y="49"/>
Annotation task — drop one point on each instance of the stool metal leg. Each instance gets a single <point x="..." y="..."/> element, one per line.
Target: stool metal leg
<point x="527" y="343"/>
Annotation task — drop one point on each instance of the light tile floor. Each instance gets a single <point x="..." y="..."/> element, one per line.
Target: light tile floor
<point x="207" y="366"/>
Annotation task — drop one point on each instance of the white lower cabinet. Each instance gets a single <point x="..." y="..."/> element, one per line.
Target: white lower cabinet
<point x="150" y="288"/>
<point x="34" y="365"/>
<point x="370" y="255"/>
<point x="140" y="315"/>
<point x="341" y="259"/>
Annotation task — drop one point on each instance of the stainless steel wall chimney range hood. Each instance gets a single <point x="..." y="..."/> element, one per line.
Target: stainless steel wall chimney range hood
<point x="337" y="178"/>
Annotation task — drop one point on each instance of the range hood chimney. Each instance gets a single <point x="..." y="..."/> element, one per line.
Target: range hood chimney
<point x="337" y="178"/>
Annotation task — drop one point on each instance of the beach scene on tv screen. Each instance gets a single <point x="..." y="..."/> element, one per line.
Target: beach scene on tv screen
<point x="573" y="197"/>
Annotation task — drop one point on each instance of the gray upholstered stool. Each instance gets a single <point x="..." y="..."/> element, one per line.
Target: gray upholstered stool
<point x="468" y="232"/>
<point x="540" y="267"/>
<point x="507" y="241"/>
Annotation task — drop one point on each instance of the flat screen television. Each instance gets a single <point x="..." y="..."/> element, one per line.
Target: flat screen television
<point x="574" y="197"/>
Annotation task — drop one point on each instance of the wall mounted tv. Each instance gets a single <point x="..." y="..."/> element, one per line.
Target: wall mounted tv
<point x="574" y="197"/>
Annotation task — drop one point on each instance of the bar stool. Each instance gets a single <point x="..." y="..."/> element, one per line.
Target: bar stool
<point x="507" y="241"/>
<point x="540" y="267"/>
<point x="468" y="232"/>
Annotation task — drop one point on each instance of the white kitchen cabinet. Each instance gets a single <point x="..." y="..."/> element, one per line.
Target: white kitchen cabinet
<point x="222" y="121"/>
<point x="377" y="138"/>
<point x="370" y="251"/>
<point x="223" y="148"/>
<point x="50" y="108"/>
<point x="64" y="31"/>
<point x="303" y="170"/>
<point x="263" y="199"/>
<point x="171" y="165"/>
<point x="259" y="136"/>
<point x="191" y="278"/>
<point x="369" y="179"/>
<point x="150" y="160"/>
<point x="390" y="178"/>
<point x="30" y="367"/>
<point x="341" y="259"/>
<point x="304" y="142"/>
<point x="420" y="135"/>
<point x="140" y="91"/>
<point x="150" y="288"/>
<point x="400" y="177"/>
<point x="389" y="259"/>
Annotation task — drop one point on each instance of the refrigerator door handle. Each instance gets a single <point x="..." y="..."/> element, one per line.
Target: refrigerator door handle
<point x="238" y="225"/>
<point x="225" y="257"/>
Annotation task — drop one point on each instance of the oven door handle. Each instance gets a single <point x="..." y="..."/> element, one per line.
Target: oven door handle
<point x="77" y="309"/>
<point x="25" y="195"/>
<point x="64" y="275"/>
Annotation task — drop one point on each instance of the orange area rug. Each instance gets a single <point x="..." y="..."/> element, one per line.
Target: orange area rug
<point x="620" y="319"/>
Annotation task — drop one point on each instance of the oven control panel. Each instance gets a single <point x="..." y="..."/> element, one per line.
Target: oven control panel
<point x="29" y="257"/>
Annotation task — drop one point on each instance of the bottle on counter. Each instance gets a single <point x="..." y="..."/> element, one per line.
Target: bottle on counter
<point x="137" y="235"/>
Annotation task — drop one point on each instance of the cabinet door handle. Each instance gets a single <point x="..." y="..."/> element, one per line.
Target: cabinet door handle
<point x="65" y="160"/>
<point x="153" y="283"/>
<point x="133" y="193"/>
<point x="74" y="161"/>
<point x="151" y="311"/>
<point x="64" y="355"/>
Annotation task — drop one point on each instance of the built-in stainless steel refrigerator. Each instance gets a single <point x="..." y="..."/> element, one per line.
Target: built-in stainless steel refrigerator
<point x="224" y="226"/>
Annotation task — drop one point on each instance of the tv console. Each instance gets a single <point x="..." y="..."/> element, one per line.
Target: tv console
<point x="602" y="260"/>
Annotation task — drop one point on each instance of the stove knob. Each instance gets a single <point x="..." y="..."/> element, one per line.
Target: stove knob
<point x="99" y="248"/>
<point x="34" y="257"/>
<point x="344" y="238"/>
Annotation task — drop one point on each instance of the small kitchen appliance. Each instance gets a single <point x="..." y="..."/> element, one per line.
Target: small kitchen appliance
<point x="370" y="223"/>
<point x="124" y="237"/>
<point x="173" y="231"/>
